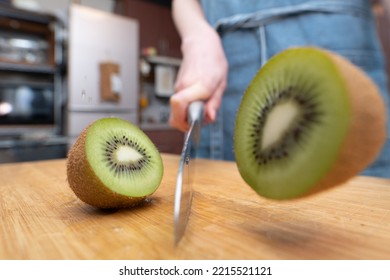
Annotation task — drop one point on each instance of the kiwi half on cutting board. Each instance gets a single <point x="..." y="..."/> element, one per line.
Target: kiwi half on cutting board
<point x="113" y="164"/>
<point x="308" y="121"/>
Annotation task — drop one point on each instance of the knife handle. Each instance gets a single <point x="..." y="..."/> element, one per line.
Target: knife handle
<point x="196" y="111"/>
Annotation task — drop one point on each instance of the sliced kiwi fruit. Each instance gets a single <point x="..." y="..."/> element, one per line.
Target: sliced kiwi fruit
<point x="308" y="121"/>
<point x="113" y="164"/>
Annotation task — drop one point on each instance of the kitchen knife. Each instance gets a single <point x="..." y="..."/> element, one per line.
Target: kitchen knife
<point x="183" y="193"/>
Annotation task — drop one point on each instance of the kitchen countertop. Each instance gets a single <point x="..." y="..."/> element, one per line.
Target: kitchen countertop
<point x="42" y="219"/>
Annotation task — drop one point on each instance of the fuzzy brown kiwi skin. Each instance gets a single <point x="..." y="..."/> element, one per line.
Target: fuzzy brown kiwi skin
<point x="367" y="132"/>
<point x="87" y="186"/>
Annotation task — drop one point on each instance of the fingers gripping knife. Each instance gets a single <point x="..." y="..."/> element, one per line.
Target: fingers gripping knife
<point x="183" y="193"/>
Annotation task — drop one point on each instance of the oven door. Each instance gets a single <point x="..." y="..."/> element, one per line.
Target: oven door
<point x="26" y="99"/>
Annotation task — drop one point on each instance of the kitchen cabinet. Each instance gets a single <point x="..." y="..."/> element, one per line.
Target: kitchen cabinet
<point x="156" y="25"/>
<point x="167" y="140"/>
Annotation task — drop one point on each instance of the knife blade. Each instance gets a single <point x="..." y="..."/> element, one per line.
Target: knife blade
<point x="183" y="192"/>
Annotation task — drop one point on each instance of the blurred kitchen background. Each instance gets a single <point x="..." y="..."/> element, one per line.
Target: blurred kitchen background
<point x="66" y="63"/>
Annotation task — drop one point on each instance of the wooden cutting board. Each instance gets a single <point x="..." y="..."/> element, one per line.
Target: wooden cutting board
<point x="40" y="218"/>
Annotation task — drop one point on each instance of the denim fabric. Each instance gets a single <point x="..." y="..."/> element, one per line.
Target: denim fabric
<point x="253" y="31"/>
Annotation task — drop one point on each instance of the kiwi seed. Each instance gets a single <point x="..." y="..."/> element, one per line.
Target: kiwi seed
<point x="309" y="120"/>
<point x="113" y="164"/>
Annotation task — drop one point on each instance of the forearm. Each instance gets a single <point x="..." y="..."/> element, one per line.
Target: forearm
<point x="203" y="71"/>
<point x="188" y="17"/>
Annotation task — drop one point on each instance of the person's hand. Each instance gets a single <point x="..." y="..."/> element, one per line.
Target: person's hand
<point x="202" y="76"/>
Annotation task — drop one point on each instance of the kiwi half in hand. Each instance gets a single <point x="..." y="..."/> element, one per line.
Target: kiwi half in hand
<point x="113" y="164"/>
<point x="308" y="121"/>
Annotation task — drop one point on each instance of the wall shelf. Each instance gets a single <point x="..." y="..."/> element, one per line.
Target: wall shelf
<point x="27" y="68"/>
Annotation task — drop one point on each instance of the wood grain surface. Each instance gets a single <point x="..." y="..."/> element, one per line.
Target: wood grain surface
<point x="40" y="218"/>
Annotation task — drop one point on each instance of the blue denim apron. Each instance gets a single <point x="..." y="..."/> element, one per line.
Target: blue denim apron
<point x="254" y="30"/>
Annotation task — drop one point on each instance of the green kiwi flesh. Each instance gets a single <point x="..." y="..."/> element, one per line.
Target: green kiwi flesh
<point x="303" y="124"/>
<point x="113" y="164"/>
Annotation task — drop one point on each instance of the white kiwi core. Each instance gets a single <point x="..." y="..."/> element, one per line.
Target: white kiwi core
<point x="127" y="154"/>
<point x="281" y="117"/>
